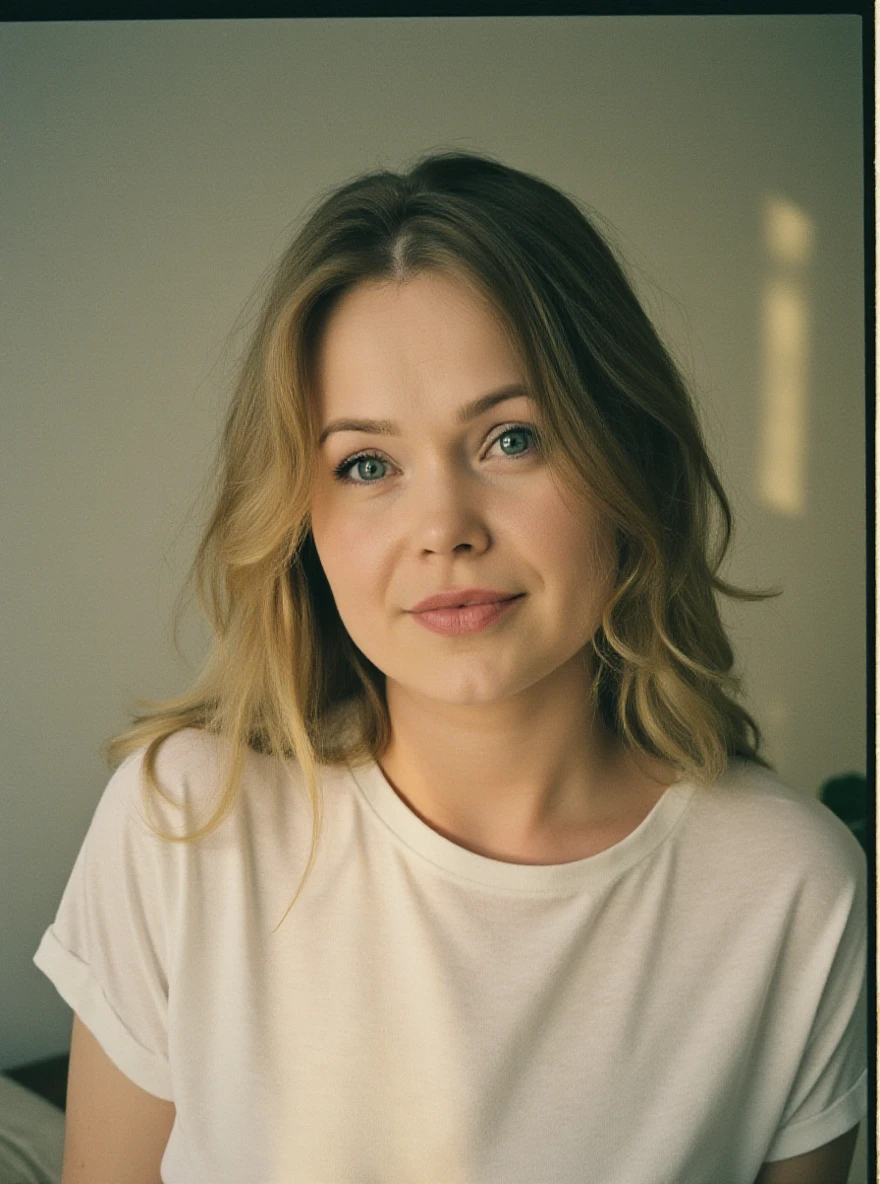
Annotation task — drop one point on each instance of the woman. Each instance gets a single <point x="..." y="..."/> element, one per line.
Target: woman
<point x="563" y="922"/>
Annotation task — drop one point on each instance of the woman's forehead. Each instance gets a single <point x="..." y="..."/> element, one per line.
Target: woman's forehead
<point x="388" y="341"/>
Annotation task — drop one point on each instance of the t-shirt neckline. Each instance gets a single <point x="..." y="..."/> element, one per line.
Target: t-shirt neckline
<point x="391" y="811"/>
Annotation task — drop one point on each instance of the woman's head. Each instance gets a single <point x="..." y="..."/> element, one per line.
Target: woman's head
<point x="401" y="296"/>
<point x="618" y="429"/>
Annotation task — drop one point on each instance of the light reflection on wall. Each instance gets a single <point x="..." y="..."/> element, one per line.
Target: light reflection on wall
<point x="784" y="392"/>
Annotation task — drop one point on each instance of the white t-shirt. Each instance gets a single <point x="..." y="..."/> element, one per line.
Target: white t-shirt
<point x="676" y="1009"/>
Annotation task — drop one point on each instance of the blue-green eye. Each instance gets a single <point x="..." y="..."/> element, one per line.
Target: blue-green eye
<point x="341" y="471"/>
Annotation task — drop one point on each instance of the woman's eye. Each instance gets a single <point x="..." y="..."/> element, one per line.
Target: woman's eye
<point x="342" y="470"/>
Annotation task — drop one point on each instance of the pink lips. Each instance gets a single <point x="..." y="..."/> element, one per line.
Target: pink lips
<point x="467" y="619"/>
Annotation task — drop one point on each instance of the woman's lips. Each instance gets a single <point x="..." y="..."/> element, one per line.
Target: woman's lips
<point x="468" y="619"/>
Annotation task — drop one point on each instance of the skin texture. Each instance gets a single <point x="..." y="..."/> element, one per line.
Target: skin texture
<point x="113" y="1129"/>
<point x="495" y="743"/>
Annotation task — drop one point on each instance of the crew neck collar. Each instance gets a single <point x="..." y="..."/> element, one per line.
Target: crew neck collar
<point x="407" y="828"/>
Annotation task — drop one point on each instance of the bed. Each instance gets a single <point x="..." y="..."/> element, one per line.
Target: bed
<point x="32" y="1100"/>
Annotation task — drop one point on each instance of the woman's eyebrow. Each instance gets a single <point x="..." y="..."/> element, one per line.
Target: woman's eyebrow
<point x="465" y="413"/>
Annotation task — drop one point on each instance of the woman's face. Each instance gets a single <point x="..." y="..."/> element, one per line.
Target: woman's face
<point x="443" y="504"/>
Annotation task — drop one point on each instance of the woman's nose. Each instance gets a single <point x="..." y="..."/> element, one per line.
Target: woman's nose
<point x="448" y="513"/>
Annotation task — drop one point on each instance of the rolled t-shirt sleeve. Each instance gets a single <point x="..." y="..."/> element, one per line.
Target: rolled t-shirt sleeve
<point x="106" y="950"/>
<point x="829" y="1094"/>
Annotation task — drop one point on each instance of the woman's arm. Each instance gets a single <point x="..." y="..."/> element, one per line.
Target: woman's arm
<point x="114" y="1130"/>
<point x="828" y="1164"/>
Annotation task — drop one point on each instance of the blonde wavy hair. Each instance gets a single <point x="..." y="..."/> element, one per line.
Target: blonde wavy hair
<point x="283" y="677"/>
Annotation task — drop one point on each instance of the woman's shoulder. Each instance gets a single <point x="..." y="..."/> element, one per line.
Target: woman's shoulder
<point x="758" y="809"/>
<point x="190" y="774"/>
<point x="186" y="764"/>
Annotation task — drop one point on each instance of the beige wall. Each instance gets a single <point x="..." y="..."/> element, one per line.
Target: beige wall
<point x="151" y="171"/>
